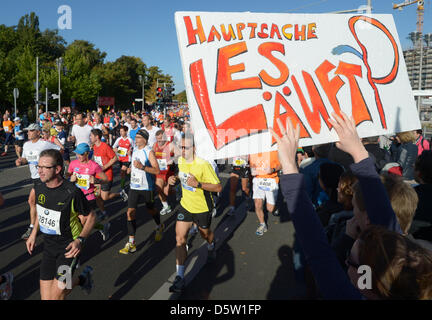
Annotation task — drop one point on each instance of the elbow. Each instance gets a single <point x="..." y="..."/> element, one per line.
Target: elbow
<point x="219" y="188"/>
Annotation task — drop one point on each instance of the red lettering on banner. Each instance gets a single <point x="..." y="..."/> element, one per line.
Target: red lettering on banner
<point x="250" y="120"/>
<point x="318" y="108"/>
<point x="192" y="33"/>
<point x="289" y="113"/>
<point x="266" y="50"/>
<point x="331" y="87"/>
<point x="360" y="111"/>
<point x="224" y="81"/>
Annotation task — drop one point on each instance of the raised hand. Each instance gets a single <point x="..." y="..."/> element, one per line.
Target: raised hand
<point x="287" y="146"/>
<point x="349" y="141"/>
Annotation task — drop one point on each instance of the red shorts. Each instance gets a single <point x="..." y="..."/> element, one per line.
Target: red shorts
<point x="165" y="175"/>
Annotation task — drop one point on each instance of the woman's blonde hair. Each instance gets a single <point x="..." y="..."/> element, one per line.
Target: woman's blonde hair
<point x="401" y="269"/>
<point x="406" y="137"/>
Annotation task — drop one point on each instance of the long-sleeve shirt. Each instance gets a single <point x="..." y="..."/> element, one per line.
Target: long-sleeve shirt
<point x="331" y="279"/>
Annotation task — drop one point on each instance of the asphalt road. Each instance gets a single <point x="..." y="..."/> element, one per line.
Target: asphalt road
<point x="248" y="267"/>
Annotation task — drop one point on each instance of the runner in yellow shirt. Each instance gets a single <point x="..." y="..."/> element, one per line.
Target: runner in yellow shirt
<point x="198" y="180"/>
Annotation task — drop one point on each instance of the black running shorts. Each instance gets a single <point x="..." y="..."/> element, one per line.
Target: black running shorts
<point x="202" y="220"/>
<point x="242" y="172"/>
<point x="136" y="197"/>
<point x="54" y="262"/>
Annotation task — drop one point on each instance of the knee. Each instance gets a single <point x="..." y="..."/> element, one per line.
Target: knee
<point x="131" y="214"/>
<point x="180" y="241"/>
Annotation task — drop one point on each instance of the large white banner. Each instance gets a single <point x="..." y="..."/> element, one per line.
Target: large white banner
<point x="244" y="70"/>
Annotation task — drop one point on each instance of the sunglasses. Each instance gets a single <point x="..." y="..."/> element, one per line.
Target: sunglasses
<point x="43" y="167"/>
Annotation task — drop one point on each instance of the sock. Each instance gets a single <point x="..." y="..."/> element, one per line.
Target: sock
<point x="180" y="270"/>
<point x="132" y="239"/>
<point x="131" y="227"/>
<point x="210" y="246"/>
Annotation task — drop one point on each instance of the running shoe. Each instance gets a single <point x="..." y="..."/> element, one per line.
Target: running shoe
<point x="261" y="229"/>
<point x="230" y="211"/>
<point x="88" y="284"/>
<point x="6" y="286"/>
<point x="3" y="154"/>
<point x="105" y="231"/>
<point x="124" y="195"/>
<point x="129" y="248"/>
<point x="27" y="234"/>
<point x="159" y="232"/>
<point x="276" y="213"/>
<point x="178" y="285"/>
<point x="165" y="210"/>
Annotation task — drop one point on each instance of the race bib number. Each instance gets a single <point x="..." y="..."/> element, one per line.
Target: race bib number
<point x="122" y="152"/>
<point x="98" y="160"/>
<point x="83" y="181"/>
<point x="111" y="125"/>
<point x="6" y="129"/>
<point x="49" y="220"/>
<point x="183" y="179"/>
<point x="267" y="184"/>
<point x="162" y="164"/>
<point x="137" y="178"/>
<point x="33" y="159"/>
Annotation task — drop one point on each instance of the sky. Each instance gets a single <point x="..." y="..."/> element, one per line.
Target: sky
<point x="146" y="29"/>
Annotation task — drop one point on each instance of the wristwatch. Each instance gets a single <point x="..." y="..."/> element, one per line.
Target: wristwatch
<point x="81" y="239"/>
<point x="199" y="185"/>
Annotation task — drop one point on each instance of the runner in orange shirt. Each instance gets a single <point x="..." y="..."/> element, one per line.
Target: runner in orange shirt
<point x="264" y="168"/>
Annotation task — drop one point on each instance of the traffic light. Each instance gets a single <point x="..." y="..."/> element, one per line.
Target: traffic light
<point x="170" y="93"/>
<point x="159" y="95"/>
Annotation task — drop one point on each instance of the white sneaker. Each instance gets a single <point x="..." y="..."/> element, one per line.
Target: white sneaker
<point x="165" y="210"/>
<point x="124" y="195"/>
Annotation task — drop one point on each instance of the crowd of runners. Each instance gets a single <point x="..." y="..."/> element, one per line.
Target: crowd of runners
<point x="71" y="159"/>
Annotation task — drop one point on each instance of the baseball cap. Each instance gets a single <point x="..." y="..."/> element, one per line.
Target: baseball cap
<point x="392" y="167"/>
<point x="32" y="127"/>
<point x="82" y="148"/>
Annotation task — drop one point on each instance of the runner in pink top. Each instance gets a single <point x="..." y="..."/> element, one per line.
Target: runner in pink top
<point x="83" y="171"/>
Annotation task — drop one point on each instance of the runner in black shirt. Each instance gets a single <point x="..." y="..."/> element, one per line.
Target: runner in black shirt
<point x="59" y="204"/>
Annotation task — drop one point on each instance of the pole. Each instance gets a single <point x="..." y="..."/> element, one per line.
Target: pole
<point x="59" y="89"/>
<point x="15" y="104"/>
<point x="37" y="88"/>
<point x="46" y="100"/>
<point x="420" y="72"/>
<point x="143" y="104"/>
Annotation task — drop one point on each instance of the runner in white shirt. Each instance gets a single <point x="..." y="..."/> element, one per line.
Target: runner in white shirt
<point x="30" y="156"/>
<point x="80" y="131"/>
<point x="144" y="167"/>
<point x="150" y="129"/>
